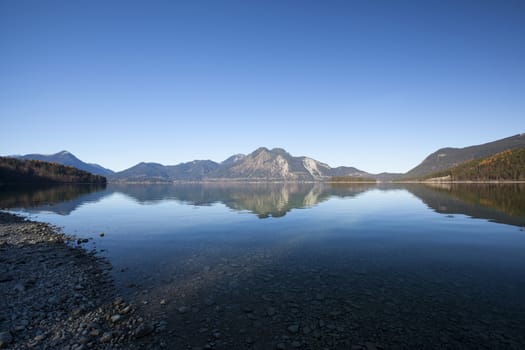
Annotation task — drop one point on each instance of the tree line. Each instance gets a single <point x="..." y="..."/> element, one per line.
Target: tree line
<point x="508" y="165"/>
<point x="17" y="171"/>
<point x="349" y="179"/>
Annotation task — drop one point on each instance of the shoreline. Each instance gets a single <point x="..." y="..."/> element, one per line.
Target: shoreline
<point x="58" y="295"/>
<point x="271" y="182"/>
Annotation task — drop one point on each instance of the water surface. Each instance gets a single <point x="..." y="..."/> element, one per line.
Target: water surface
<point x="309" y="265"/>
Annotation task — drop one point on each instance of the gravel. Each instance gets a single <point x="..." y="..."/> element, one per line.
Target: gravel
<point x="56" y="295"/>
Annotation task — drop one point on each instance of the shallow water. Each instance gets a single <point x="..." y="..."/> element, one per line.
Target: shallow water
<point x="308" y="265"/>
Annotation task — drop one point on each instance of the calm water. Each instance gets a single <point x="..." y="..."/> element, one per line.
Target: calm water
<point x="309" y="266"/>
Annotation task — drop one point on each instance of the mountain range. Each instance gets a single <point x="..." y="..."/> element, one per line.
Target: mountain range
<point x="261" y="165"/>
<point x="449" y="157"/>
<point x="66" y="158"/>
<point x="276" y="164"/>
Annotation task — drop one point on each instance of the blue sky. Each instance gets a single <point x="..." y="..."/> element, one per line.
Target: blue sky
<point x="373" y="84"/>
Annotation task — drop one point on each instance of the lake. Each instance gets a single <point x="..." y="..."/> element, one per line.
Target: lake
<point x="309" y="266"/>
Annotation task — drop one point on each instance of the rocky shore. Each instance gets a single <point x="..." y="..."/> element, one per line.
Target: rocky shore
<point x="57" y="295"/>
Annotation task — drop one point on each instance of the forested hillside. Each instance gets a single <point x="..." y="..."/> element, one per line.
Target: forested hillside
<point x="504" y="166"/>
<point x="16" y="171"/>
<point x="445" y="158"/>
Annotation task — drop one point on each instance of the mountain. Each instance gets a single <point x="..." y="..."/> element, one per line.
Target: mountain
<point x="508" y="165"/>
<point x="142" y="172"/>
<point x="278" y="165"/>
<point x="154" y="172"/>
<point x="195" y="170"/>
<point x="446" y="158"/>
<point x="15" y="171"/>
<point x="66" y="158"/>
<point x="261" y="165"/>
<point x="233" y="159"/>
<point x="387" y="177"/>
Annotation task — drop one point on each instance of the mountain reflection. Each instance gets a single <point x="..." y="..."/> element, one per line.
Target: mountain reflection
<point x="60" y="199"/>
<point x="263" y="199"/>
<point x="503" y="203"/>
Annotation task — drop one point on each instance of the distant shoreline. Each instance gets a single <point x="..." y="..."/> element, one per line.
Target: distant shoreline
<point x="224" y="181"/>
<point x="465" y="182"/>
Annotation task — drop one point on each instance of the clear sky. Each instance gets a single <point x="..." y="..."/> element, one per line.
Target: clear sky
<point x="373" y="84"/>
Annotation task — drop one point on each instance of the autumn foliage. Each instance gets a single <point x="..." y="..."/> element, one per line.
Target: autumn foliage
<point x="508" y="165"/>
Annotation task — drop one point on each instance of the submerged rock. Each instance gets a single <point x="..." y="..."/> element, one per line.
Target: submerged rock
<point x="143" y="330"/>
<point x="5" y="339"/>
<point x="61" y="298"/>
<point x="293" y="328"/>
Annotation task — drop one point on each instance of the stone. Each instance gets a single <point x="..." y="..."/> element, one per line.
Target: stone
<point x="29" y="283"/>
<point x="94" y="332"/>
<point x="183" y="309"/>
<point x="5" y="339"/>
<point x="370" y="346"/>
<point x="19" y="328"/>
<point x="53" y="300"/>
<point x="161" y="326"/>
<point x="77" y="311"/>
<point x="19" y="287"/>
<point x="296" y="344"/>
<point x="271" y="311"/>
<point x="143" y="330"/>
<point x="115" y="318"/>
<point x="280" y="346"/>
<point x="40" y="337"/>
<point x="293" y="328"/>
<point x="106" y="337"/>
<point x="5" y="277"/>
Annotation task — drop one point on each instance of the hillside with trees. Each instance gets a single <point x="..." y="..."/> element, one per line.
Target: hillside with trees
<point x="15" y="171"/>
<point x="350" y="179"/>
<point x="446" y="158"/>
<point x="508" y="165"/>
<point x="69" y="159"/>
